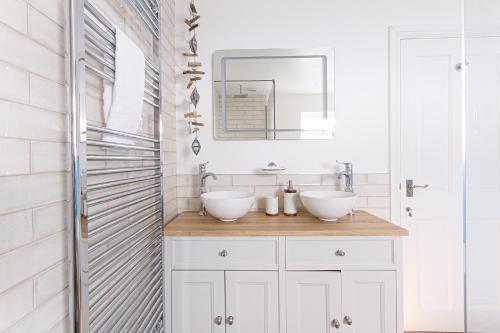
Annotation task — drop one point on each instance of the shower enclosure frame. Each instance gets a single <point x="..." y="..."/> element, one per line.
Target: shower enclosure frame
<point x="79" y="24"/>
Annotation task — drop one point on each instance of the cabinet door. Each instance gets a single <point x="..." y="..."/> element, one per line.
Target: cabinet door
<point x="369" y="302"/>
<point x="313" y="302"/>
<point x="198" y="302"/>
<point x="252" y="302"/>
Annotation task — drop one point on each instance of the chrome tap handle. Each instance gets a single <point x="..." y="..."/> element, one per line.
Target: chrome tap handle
<point x="202" y="167"/>
<point x="347" y="164"/>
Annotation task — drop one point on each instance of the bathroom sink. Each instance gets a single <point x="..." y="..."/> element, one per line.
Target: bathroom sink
<point x="328" y="205"/>
<point x="227" y="206"/>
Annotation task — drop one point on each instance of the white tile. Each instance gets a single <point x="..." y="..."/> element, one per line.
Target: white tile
<point x="254" y="180"/>
<point x="373" y="190"/>
<point x="23" y="52"/>
<point x="62" y="327"/>
<point x="22" y="192"/>
<point x="182" y="203"/>
<point x="45" y="316"/>
<point x="187" y="180"/>
<point x="362" y="202"/>
<point x="51" y="282"/>
<point x="188" y="192"/>
<point x="170" y="193"/>
<point x="382" y="178"/>
<point x="330" y="179"/>
<point x="26" y="122"/>
<point x="250" y="189"/>
<point x="14" y="85"/>
<point x="360" y="179"/>
<point x="15" y="157"/>
<point x="170" y="210"/>
<point x="222" y="180"/>
<point x="318" y="188"/>
<point x="383" y="213"/>
<point x="299" y="179"/>
<point x="47" y="94"/>
<point x="27" y="261"/>
<point x="170" y="182"/>
<point x="189" y="203"/>
<point x="54" y="9"/>
<point x="169" y="145"/>
<point x="379" y="202"/>
<point x="15" y="230"/>
<point x="15" y="304"/>
<point x="15" y="14"/>
<point x="49" y="156"/>
<point x="45" y="31"/>
<point x="169" y="169"/>
<point x="49" y="220"/>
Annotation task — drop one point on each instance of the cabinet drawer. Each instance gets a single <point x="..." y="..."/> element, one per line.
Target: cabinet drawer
<point x="225" y="253"/>
<point x="331" y="254"/>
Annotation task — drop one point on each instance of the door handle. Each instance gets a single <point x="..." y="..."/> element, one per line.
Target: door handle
<point x="410" y="187"/>
<point x="336" y="323"/>
<point x="230" y="320"/>
<point x="218" y="320"/>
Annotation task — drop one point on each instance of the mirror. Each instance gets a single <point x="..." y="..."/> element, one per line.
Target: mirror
<point x="273" y="94"/>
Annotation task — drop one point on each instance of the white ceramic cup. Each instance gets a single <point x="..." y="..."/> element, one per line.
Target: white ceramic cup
<point x="272" y="205"/>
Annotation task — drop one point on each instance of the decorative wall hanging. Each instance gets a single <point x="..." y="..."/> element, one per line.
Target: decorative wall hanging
<point x="194" y="73"/>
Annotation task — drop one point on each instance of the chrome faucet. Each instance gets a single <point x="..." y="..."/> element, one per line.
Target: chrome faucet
<point x="203" y="174"/>
<point x="347" y="173"/>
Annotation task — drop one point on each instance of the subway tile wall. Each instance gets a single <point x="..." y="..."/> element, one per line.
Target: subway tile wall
<point x="169" y="144"/>
<point x="35" y="174"/>
<point x="373" y="189"/>
<point x="243" y="112"/>
<point x="34" y="167"/>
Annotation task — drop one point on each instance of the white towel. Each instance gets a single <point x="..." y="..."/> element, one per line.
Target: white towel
<point x="123" y="101"/>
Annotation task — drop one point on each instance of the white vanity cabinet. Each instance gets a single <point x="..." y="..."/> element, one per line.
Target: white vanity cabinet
<point x="238" y="280"/>
<point x="313" y="302"/>
<point x="230" y="301"/>
<point x="349" y="302"/>
<point x="282" y="284"/>
<point x="369" y="302"/>
<point x="198" y="303"/>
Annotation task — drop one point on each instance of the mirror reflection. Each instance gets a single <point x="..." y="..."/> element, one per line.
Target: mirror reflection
<point x="273" y="94"/>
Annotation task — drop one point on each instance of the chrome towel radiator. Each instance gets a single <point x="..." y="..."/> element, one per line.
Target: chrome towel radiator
<point x="118" y="196"/>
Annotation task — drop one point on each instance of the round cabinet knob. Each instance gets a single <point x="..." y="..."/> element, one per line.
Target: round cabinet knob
<point x="340" y="253"/>
<point x="223" y="253"/>
<point x="230" y="320"/>
<point x="348" y="320"/>
<point x="218" y="320"/>
<point x="335" y="323"/>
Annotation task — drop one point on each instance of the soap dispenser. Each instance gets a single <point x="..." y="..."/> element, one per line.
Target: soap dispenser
<point x="290" y="204"/>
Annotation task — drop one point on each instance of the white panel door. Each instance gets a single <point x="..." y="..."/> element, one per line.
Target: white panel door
<point x="198" y="302"/>
<point x="369" y="302"/>
<point x="313" y="302"/>
<point x="431" y="154"/>
<point x="252" y="302"/>
<point x="483" y="184"/>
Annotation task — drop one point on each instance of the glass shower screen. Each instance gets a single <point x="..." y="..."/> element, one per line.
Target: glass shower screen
<point x="482" y="220"/>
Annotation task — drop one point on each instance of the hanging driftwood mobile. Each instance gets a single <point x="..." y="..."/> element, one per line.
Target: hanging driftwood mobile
<point x="194" y="73"/>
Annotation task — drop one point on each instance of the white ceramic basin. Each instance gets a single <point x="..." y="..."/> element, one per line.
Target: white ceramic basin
<point x="328" y="205"/>
<point x="228" y="206"/>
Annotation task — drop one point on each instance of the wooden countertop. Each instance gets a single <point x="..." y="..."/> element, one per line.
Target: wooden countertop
<point x="258" y="224"/>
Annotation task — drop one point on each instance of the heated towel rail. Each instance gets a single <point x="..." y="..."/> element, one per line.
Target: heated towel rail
<point x="118" y="195"/>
